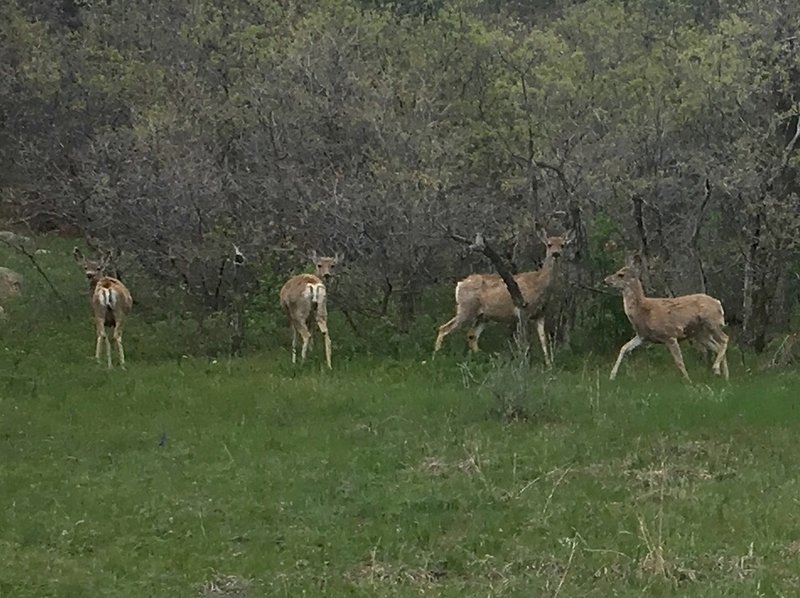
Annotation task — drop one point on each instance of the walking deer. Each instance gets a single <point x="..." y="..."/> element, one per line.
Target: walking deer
<point x="305" y="295"/>
<point x="667" y="321"/>
<point x="111" y="303"/>
<point x="482" y="297"/>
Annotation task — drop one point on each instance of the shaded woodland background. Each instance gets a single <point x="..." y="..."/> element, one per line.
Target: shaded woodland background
<point x="171" y="130"/>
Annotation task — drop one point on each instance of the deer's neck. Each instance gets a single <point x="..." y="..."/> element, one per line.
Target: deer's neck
<point x="632" y="297"/>
<point x="536" y="284"/>
<point x="548" y="270"/>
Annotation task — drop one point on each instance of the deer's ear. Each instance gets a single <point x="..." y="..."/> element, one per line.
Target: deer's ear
<point x="542" y="234"/>
<point x="312" y="255"/>
<point x="629" y="259"/>
<point x="569" y="237"/>
<point x="77" y="254"/>
<point x="634" y="261"/>
<point x="339" y="257"/>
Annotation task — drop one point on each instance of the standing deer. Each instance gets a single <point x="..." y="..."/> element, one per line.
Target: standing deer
<point x="666" y="321"/>
<point x="481" y="297"/>
<point x="111" y="303"/>
<point x="305" y="294"/>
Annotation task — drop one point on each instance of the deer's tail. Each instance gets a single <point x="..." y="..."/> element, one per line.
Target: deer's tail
<point x="108" y="297"/>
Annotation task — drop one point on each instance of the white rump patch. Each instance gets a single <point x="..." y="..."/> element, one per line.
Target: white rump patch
<point x="319" y="293"/>
<point x="108" y="297"/>
<point x="315" y="292"/>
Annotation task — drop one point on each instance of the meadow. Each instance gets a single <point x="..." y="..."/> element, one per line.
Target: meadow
<point x="392" y="475"/>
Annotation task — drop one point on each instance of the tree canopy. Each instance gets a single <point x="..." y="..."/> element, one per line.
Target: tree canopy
<point x="172" y="129"/>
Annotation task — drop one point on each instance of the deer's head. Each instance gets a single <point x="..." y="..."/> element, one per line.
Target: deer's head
<point x="622" y="277"/>
<point x="555" y="245"/>
<point x="325" y="266"/>
<point x="93" y="269"/>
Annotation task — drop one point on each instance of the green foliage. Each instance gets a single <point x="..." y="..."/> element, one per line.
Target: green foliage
<point x="172" y="129"/>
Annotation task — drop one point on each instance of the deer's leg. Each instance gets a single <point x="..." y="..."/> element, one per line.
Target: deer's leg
<point x="715" y="349"/>
<point x="548" y="359"/>
<point x="474" y="334"/>
<point x="118" y="342"/>
<point x="721" y="340"/>
<point x="107" y="344"/>
<point x="294" y="343"/>
<point x="100" y="332"/>
<point x="675" y="349"/>
<point x="102" y="341"/>
<point x="626" y="348"/>
<point x="724" y="363"/>
<point x="302" y="330"/>
<point x="454" y="324"/>
<point x="322" y="324"/>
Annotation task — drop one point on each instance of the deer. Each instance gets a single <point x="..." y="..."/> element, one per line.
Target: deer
<point x="482" y="297"/>
<point x="304" y="296"/>
<point x="698" y="317"/>
<point x="111" y="303"/>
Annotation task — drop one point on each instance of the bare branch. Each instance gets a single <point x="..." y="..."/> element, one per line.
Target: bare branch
<point x="480" y="244"/>
<point x="21" y="249"/>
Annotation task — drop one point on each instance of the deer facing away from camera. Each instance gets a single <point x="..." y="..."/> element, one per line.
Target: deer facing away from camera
<point x="304" y="296"/>
<point x="111" y="303"/>
<point x="667" y="321"/>
<point x="482" y="297"/>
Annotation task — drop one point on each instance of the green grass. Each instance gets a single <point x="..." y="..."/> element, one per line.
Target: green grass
<point x="387" y="476"/>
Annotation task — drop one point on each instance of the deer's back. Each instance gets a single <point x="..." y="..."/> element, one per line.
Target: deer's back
<point x="487" y="295"/>
<point x="678" y="317"/>
<point x="294" y="289"/>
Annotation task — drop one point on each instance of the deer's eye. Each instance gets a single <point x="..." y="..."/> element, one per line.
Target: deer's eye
<point x="621" y="275"/>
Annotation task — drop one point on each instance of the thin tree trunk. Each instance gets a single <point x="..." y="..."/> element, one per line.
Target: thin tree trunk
<point x="749" y="276"/>
<point x="695" y="240"/>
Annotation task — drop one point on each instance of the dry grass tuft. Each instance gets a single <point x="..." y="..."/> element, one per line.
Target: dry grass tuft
<point x="434" y="466"/>
<point x="470" y="465"/>
<point x="739" y="567"/>
<point x="791" y="550"/>
<point x="228" y="586"/>
<point x="673" y="469"/>
<point x="374" y="573"/>
<point x="653" y="562"/>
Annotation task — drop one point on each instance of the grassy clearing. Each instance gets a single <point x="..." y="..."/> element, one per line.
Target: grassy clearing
<point x="247" y="477"/>
<point x="389" y="479"/>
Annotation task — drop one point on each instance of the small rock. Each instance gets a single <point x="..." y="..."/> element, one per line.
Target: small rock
<point x="10" y="283"/>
